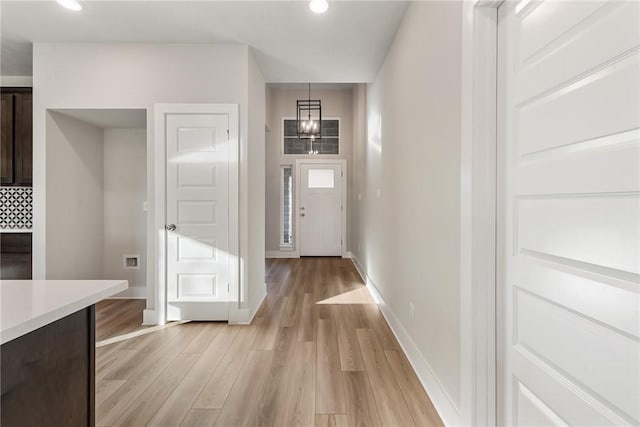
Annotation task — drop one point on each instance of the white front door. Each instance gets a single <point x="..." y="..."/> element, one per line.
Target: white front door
<point x="569" y="213"/>
<point x="198" y="261"/>
<point x="320" y="209"/>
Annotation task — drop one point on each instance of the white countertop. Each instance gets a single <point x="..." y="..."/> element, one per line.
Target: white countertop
<point x="30" y="304"/>
<point x="16" y="230"/>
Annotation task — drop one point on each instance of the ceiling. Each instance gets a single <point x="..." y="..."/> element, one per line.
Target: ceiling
<point x="291" y="44"/>
<point x="108" y="118"/>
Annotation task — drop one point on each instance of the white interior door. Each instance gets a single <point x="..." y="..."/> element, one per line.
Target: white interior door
<point x="198" y="261"/>
<point x="320" y="209"/>
<point x="569" y="217"/>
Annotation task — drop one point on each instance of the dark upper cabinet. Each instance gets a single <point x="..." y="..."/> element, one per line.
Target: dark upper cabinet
<point x="17" y="136"/>
<point x="23" y="157"/>
<point x="6" y="138"/>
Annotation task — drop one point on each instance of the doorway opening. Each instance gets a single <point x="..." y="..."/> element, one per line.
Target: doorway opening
<point x="96" y="198"/>
<point x="310" y="189"/>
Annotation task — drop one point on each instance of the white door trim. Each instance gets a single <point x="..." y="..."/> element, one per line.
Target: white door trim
<point x="159" y="218"/>
<point x="324" y="161"/>
<point x="478" y="216"/>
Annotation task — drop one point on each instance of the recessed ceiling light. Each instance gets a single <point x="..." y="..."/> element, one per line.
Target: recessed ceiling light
<point x="318" y="6"/>
<point x="70" y="4"/>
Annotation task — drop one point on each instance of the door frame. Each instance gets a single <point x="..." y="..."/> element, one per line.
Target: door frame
<point x="343" y="219"/>
<point x="477" y="219"/>
<point x="160" y="178"/>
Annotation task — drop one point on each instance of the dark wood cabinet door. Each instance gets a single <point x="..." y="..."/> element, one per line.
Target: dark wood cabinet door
<point x="6" y="139"/>
<point x="23" y="164"/>
<point x="15" y="256"/>
<point x="48" y="375"/>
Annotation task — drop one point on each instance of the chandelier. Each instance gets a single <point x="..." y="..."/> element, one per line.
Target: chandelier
<point x="309" y="120"/>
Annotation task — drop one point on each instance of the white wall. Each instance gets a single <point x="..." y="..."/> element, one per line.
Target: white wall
<point x="256" y="189"/>
<point x="336" y="102"/>
<point x="125" y="191"/>
<point x="134" y="76"/>
<point x="409" y="175"/>
<point x="74" y="181"/>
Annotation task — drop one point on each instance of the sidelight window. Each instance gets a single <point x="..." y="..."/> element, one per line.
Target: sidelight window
<point x="286" y="208"/>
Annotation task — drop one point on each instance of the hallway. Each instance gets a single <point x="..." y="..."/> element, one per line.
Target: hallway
<point x="318" y="353"/>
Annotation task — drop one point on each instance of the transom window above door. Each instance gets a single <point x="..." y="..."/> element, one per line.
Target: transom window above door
<point x="328" y="144"/>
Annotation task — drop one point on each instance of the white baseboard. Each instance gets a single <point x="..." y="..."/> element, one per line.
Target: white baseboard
<point x="132" y="292"/>
<point x="244" y="316"/>
<point x="149" y="317"/>
<point x="240" y="317"/>
<point x="264" y="297"/>
<point x="281" y="254"/>
<point x="347" y="255"/>
<point x="445" y="406"/>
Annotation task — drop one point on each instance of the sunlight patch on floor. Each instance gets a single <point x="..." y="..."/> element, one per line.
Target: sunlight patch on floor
<point x="357" y="296"/>
<point x="135" y="334"/>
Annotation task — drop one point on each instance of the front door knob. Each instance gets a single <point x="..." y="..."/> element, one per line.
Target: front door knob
<point x="170" y="227"/>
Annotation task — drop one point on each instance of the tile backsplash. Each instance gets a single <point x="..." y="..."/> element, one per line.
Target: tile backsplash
<point x="16" y="207"/>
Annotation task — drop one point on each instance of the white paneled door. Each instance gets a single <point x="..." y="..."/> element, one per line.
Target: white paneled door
<point x="320" y="209"/>
<point x="569" y="213"/>
<point x="197" y="216"/>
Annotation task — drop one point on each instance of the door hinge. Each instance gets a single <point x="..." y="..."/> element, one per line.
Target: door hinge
<point x="342" y="174"/>
<point x="341" y="208"/>
<point x="227" y="134"/>
<point x="228" y="290"/>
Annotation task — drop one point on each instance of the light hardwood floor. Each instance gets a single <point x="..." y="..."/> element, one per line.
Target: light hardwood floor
<point x="118" y="316"/>
<point x="318" y="353"/>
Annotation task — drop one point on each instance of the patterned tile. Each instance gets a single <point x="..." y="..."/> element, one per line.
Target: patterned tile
<point x="16" y="207"/>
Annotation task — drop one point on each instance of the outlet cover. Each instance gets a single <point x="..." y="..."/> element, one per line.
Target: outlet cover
<point x="131" y="262"/>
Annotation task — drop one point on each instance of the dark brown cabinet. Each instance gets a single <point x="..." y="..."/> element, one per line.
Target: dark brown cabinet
<point x="16" y="112"/>
<point x="48" y="375"/>
<point x="6" y="138"/>
<point x="15" y="256"/>
<point x="16" y="169"/>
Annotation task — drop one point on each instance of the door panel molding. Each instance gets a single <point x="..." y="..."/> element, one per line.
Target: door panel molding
<point x="568" y="235"/>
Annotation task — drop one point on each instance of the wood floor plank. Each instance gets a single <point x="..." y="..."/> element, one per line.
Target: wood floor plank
<point x="329" y="387"/>
<point x="116" y="317"/>
<point x="154" y="347"/>
<point x="422" y="411"/>
<point x="331" y="420"/>
<point x="272" y="393"/>
<point x="348" y="344"/>
<point x="243" y="398"/>
<point x="140" y="378"/>
<point x="391" y="406"/>
<point x="181" y="399"/>
<point x="108" y="363"/>
<point x="379" y="326"/>
<point x="293" y="310"/>
<point x="298" y="406"/>
<point x="268" y="329"/>
<point x="307" y="328"/>
<point x="148" y="403"/>
<point x="106" y="388"/>
<point x="207" y="333"/>
<point x="361" y="408"/>
<point x="358" y="315"/>
<point x="200" y="418"/>
<point x="217" y="388"/>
